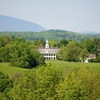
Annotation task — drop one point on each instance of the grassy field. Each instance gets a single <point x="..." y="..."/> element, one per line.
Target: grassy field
<point x="9" y="70"/>
<point x="68" y="66"/>
<point x="65" y="66"/>
<point x="74" y="64"/>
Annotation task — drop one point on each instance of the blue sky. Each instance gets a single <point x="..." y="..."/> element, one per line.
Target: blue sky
<point x="71" y="15"/>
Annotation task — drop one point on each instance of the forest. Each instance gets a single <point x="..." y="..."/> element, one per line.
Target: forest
<point x="51" y="35"/>
<point x="45" y="81"/>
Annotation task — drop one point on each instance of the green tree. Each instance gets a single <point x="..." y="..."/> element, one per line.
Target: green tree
<point x="81" y="84"/>
<point x="70" y="52"/>
<point x="97" y="59"/>
<point x="4" y="54"/>
<point x="23" y="55"/>
<point x="4" y="81"/>
<point x="39" y="43"/>
<point x="97" y="42"/>
<point x="88" y="44"/>
<point x="2" y="97"/>
<point x="42" y="83"/>
<point x="52" y="43"/>
<point x="83" y="54"/>
<point x="0" y="42"/>
<point x="5" y="40"/>
<point x="5" y="86"/>
<point x="62" y="42"/>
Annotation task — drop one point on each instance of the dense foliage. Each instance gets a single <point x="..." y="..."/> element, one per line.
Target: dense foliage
<point x="47" y="83"/>
<point x="38" y="84"/>
<point x="51" y="35"/>
<point x="5" y="86"/>
<point x="81" y="84"/>
<point x="23" y="53"/>
<point x="76" y="52"/>
<point x="19" y="53"/>
<point x="70" y="52"/>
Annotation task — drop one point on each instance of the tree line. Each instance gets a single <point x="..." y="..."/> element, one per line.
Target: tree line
<point x="51" y="35"/>
<point x="23" y="53"/>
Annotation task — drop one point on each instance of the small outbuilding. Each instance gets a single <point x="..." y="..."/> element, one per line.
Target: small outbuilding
<point x="90" y="56"/>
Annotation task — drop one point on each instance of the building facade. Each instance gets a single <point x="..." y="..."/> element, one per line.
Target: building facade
<point x="90" y="56"/>
<point x="47" y="52"/>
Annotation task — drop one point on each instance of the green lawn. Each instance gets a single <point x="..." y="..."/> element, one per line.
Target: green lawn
<point x="68" y="66"/>
<point x="73" y="64"/>
<point x="65" y="66"/>
<point x="9" y="70"/>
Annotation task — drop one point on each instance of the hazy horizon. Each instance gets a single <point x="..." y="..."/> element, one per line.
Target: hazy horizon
<point x="70" y="15"/>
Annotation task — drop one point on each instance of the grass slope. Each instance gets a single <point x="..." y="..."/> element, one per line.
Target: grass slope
<point x="9" y="70"/>
<point x="60" y="63"/>
<point x="63" y="65"/>
<point x="68" y="66"/>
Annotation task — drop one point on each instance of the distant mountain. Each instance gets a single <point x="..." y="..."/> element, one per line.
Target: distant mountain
<point x="89" y="32"/>
<point x="13" y="24"/>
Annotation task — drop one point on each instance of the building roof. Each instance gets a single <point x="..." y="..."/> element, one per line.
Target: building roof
<point x="98" y="50"/>
<point x="92" y="56"/>
<point x="48" y="50"/>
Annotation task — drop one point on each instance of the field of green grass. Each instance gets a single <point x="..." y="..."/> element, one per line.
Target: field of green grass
<point x="65" y="66"/>
<point x="9" y="70"/>
<point x="74" y="64"/>
<point x="68" y="66"/>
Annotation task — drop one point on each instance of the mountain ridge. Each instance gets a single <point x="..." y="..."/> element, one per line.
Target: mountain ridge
<point x="8" y="23"/>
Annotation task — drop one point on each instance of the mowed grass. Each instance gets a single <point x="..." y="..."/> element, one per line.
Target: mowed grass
<point x="60" y="63"/>
<point x="66" y="67"/>
<point x="9" y="70"/>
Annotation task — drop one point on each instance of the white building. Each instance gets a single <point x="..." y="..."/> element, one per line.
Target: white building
<point x="48" y="53"/>
<point x="90" y="56"/>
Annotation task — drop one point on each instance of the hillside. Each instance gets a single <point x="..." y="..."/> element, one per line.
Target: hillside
<point x="51" y="35"/>
<point x="13" y="24"/>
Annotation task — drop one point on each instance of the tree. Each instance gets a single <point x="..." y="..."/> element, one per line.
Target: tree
<point x="5" y="86"/>
<point x="52" y="43"/>
<point x="0" y="42"/>
<point x="42" y="83"/>
<point x="4" y="81"/>
<point x="39" y="43"/>
<point x="70" y="52"/>
<point x="81" y="84"/>
<point x="88" y="44"/>
<point x="22" y="54"/>
<point x="62" y="42"/>
<point x="5" y="40"/>
<point x="2" y="97"/>
<point x="4" y="54"/>
<point x="97" y="59"/>
<point x="97" y="42"/>
<point x="83" y="54"/>
<point x="38" y="58"/>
